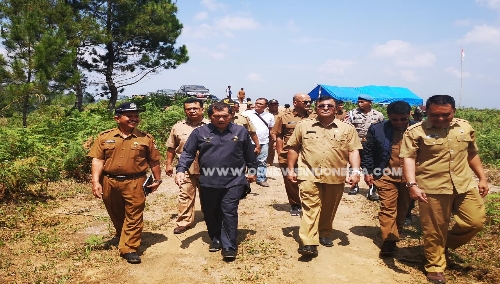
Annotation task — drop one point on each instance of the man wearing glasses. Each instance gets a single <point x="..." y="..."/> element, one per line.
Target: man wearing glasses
<point x="193" y="108"/>
<point x="384" y="169"/>
<point x="362" y="117"/>
<point x="283" y="128"/>
<point x="322" y="147"/>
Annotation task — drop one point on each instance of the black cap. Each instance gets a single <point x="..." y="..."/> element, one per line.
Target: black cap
<point x="287" y="105"/>
<point x="127" y="107"/>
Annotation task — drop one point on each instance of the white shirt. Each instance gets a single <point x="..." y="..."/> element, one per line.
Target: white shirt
<point x="262" y="129"/>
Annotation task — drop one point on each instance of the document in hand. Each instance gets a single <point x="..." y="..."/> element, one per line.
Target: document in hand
<point x="149" y="181"/>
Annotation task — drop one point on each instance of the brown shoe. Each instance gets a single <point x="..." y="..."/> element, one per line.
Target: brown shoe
<point x="180" y="229"/>
<point x="436" y="277"/>
<point x="263" y="184"/>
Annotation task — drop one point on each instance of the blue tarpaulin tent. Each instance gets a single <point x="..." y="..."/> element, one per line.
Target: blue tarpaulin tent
<point x="380" y="94"/>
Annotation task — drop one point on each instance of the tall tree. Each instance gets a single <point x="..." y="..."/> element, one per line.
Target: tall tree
<point x="139" y="39"/>
<point x="38" y="61"/>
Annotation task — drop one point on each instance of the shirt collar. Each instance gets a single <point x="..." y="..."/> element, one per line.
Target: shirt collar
<point x="295" y="113"/>
<point x="335" y="122"/>
<point x="117" y="132"/>
<point x="428" y="123"/>
<point x="213" y="128"/>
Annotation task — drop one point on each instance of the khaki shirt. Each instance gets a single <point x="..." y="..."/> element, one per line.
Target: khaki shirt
<point x="395" y="167"/>
<point x="241" y="94"/>
<point x="178" y="136"/>
<point x="244" y="121"/>
<point x="362" y="121"/>
<point x="441" y="155"/>
<point x="341" y="116"/>
<point x="125" y="156"/>
<point x="324" y="151"/>
<point x="283" y="128"/>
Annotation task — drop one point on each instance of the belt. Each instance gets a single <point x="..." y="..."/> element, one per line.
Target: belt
<point x="126" y="176"/>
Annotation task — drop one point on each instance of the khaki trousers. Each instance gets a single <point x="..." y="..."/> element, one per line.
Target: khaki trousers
<point x="292" y="189"/>
<point x="186" y="198"/>
<point x="270" y="153"/>
<point x="394" y="203"/>
<point x="124" y="200"/>
<point x="319" y="205"/>
<point x="468" y="212"/>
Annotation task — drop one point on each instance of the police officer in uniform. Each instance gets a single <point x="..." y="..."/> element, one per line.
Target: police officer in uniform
<point x="283" y="128"/>
<point x="361" y="118"/>
<point x="120" y="160"/>
<point x="439" y="154"/>
<point x="322" y="146"/>
<point x="193" y="108"/>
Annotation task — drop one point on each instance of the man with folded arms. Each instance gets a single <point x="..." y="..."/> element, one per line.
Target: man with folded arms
<point x="225" y="152"/>
<point x="193" y="108"/>
<point x="439" y="154"/>
<point x="120" y="159"/>
<point x="322" y="146"/>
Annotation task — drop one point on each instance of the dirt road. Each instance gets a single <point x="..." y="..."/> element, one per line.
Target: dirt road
<point x="268" y="238"/>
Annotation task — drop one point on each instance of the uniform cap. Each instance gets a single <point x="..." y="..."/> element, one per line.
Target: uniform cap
<point x="127" y="107"/>
<point x="273" y="101"/>
<point x="365" y="97"/>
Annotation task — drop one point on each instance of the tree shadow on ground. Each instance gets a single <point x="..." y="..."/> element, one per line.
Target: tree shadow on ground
<point x="149" y="239"/>
<point x="284" y="207"/>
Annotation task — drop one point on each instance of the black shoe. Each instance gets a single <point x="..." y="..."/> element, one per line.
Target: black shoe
<point x="131" y="257"/>
<point x="408" y="222"/>
<point x="215" y="246"/>
<point x="388" y="248"/>
<point x="327" y="242"/>
<point x="229" y="253"/>
<point x="372" y="194"/>
<point x="308" y="251"/>
<point x="354" y="190"/>
<point x="296" y="210"/>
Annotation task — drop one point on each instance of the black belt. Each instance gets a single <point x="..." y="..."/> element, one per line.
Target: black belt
<point x="126" y="176"/>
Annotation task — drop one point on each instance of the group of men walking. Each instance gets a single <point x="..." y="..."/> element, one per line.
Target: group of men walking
<point x="319" y="151"/>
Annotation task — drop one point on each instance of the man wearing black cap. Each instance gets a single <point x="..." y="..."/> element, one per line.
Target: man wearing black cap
<point x="361" y="118"/>
<point x="120" y="159"/>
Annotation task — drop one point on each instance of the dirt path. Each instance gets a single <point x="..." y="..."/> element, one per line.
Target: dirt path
<point x="268" y="238"/>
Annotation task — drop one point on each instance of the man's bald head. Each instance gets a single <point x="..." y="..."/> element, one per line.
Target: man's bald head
<point x="301" y="102"/>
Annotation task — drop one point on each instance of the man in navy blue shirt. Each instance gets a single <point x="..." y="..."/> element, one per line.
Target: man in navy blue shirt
<point x="225" y="153"/>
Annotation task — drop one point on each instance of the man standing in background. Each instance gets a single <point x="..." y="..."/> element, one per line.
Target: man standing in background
<point x="361" y="118"/>
<point x="193" y="108"/>
<point x="273" y="109"/>
<point x="282" y="130"/>
<point x="241" y="95"/>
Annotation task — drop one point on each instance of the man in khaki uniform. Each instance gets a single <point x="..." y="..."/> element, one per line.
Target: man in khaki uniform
<point x="438" y="155"/>
<point x="273" y="108"/>
<point x="283" y="128"/>
<point x="322" y="146"/>
<point x="178" y="136"/>
<point x="341" y="113"/>
<point x="120" y="160"/>
<point x="241" y="95"/>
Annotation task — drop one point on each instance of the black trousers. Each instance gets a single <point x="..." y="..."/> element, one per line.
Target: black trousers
<point x="220" y="209"/>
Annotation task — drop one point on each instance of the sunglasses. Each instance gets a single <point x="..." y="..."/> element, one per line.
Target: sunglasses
<point x="326" y="105"/>
<point x="306" y="102"/>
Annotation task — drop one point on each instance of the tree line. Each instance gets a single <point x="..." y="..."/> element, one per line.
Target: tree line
<point x="82" y="49"/>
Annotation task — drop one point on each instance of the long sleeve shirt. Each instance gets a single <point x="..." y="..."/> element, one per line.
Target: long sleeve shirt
<point x="223" y="156"/>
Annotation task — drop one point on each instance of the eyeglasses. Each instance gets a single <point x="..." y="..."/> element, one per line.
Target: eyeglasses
<point x="402" y="119"/>
<point x="327" y="106"/>
<point x="192" y="108"/>
<point x="305" y="102"/>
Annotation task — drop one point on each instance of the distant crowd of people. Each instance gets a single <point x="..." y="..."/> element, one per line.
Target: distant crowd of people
<point x="424" y="155"/>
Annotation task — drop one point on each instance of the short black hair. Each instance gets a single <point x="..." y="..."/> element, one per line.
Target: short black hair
<point x="193" y="100"/>
<point x="249" y="99"/>
<point x="399" y="107"/>
<point x="339" y="102"/>
<point x="324" y="98"/>
<point x="287" y="105"/>
<point x="218" y="106"/>
<point x="440" y="100"/>
<point x="262" y="99"/>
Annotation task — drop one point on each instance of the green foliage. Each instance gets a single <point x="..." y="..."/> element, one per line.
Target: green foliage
<point x="493" y="209"/>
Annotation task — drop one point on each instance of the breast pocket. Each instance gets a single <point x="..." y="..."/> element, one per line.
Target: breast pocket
<point x="311" y="140"/>
<point x="433" y="145"/>
<point x="463" y="142"/>
<point x="138" y="151"/>
<point x="109" y="149"/>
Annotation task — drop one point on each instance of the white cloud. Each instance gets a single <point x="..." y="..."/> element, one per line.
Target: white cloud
<point x="483" y="34"/>
<point x="419" y="60"/>
<point x="212" y="5"/>
<point x="292" y="26"/>
<point x="456" y="72"/>
<point x="335" y="66"/>
<point x="201" y="16"/>
<point x="201" y="31"/>
<point x="408" y="75"/>
<point x="492" y="4"/>
<point x="255" y="77"/>
<point x="404" y="54"/>
<point x="236" y="23"/>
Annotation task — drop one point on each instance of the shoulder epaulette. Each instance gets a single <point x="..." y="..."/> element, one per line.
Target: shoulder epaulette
<point x="414" y="125"/>
<point x="106" y="131"/>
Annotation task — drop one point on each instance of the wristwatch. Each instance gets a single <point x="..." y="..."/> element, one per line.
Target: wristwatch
<point x="410" y="184"/>
<point x="157" y="181"/>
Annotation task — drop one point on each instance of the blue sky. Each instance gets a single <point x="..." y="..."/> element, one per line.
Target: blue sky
<point x="275" y="49"/>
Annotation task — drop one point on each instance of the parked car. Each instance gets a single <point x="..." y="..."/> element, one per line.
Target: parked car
<point x="167" y="92"/>
<point x="197" y="91"/>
